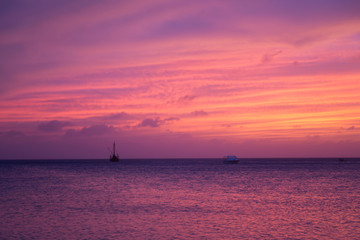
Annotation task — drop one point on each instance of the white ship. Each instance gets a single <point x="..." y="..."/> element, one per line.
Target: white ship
<point x="231" y="159"/>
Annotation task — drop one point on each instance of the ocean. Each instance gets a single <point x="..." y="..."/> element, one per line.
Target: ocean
<point x="180" y="199"/>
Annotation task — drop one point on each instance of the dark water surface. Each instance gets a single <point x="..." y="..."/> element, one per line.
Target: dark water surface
<point x="180" y="199"/>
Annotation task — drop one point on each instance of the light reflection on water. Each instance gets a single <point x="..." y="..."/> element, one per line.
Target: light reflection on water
<point x="180" y="199"/>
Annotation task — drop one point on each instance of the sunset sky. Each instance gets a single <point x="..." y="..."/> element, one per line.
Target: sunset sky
<point x="179" y="78"/>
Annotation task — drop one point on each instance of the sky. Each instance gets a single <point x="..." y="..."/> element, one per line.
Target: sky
<point x="174" y="79"/>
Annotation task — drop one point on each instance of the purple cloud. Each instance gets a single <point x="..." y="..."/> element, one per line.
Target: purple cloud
<point x="53" y="126"/>
<point x="12" y="134"/>
<point x="171" y="119"/>
<point x="186" y="98"/>
<point x="157" y="122"/>
<point x="199" y="113"/>
<point x="149" y="122"/>
<point x="91" y="131"/>
<point x="118" y="116"/>
<point x="268" y="57"/>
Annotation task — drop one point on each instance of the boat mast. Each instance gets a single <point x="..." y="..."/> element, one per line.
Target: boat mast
<point x="114" y="149"/>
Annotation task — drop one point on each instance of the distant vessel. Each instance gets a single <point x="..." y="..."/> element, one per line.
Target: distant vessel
<point x="231" y="159"/>
<point x="114" y="157"/>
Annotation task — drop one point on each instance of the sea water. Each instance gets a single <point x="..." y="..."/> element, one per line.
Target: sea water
<point x="180" y="199"/>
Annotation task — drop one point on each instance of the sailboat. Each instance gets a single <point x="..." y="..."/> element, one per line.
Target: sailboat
<point x="114" y="157"/>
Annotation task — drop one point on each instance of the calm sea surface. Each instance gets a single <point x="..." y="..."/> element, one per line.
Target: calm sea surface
<point x="180" y="199"/>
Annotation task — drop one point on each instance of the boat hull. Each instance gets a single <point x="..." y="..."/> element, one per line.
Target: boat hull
<point x="231" y="161"/>
<point x="114" y="159"/>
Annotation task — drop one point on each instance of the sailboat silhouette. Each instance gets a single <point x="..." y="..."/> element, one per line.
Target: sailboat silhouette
<point x="114" y="157"/>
